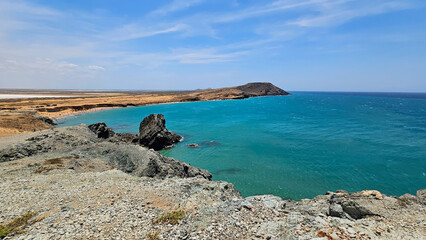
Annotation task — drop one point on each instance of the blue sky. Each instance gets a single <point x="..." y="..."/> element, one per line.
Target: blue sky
<point x="320" y="45"/>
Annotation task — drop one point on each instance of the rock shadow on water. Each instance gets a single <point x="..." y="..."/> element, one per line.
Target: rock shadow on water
<point x="210" y="143"/>
<point x="185" y="136"/>
<point x="204" y="144"/>
<point x="226" y="171"/>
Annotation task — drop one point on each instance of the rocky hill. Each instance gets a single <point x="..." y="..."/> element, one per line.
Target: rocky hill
<point x="72" y="183"/>
<point x="261" y="89"/>
<point x="256" y="89"/>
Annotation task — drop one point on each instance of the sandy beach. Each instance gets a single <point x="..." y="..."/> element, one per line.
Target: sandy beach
<point x="19" y="115"/>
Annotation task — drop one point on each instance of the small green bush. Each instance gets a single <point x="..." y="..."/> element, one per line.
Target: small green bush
<point x="17" y="224"/>
<point x="153" y="236"/>
<point x="172" y="217"/>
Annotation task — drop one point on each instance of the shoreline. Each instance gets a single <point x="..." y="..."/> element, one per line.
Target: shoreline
<point x="23" y="115"/>
<point x="145" y="105"/>
<point x="110" y="108"/>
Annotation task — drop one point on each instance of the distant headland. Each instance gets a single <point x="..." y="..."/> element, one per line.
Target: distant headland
<point x="18" y="115"/>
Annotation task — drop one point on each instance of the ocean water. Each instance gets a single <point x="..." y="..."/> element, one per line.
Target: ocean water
<point x="296" y="146"/>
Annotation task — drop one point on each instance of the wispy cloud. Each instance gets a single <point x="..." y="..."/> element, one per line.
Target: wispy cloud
<point x="335" y="13"/>
<point x="174" y="6"/>
<point x="274" y="7"/>
<point x="194" y="56"/>
<point x="36" y="40"/>
<point x="27" y="9"/>
<point x="135" y="31"/>
<point x="94" y="67"/>
<point x="182" y="56"/>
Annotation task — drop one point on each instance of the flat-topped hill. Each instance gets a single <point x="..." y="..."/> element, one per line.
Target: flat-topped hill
<point x="262" y="89"/>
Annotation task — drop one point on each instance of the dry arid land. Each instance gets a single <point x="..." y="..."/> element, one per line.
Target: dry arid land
<point x="19" y="115"/>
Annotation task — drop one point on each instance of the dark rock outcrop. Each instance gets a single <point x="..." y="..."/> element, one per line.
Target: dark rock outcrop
<point x="154" y="134"/>
<point x="101" y="130"/>
<point x="47" y="120"/>
<point x="360" y="204"/>
<point x="193" y="145"/>
<point x="80" y="141"/>
<point x="261" y="89"/>
<point x="125" y="137"/>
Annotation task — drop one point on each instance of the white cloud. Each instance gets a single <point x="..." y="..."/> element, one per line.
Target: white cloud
<point x="39" y="41"/>
<point x="38" y="65"/>
<point x="95" y="67"/>
<point x="135" y="31"/>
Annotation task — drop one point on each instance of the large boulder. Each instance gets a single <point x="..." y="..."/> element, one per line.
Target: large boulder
<point x="154" y="134"/>
<point x="101" y="130"/>
<point x="360" y="204"/>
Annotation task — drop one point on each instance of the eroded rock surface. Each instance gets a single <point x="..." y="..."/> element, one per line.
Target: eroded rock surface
<point x="101" y="130"/>
<point x="85" y="199"/>
<point x="86" y="143"/>
<point x="154" y="134"/>
<point x="86" y="187"/>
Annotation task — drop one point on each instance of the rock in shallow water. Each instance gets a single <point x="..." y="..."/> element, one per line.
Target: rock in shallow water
<point x="154" y="134"/>
<point x="193" y="145"/>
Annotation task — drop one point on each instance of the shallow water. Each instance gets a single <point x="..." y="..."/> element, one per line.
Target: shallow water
<point x="296" y="146"/>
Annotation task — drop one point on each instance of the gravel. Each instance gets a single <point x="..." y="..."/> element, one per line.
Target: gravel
<point x="84" y="196"/>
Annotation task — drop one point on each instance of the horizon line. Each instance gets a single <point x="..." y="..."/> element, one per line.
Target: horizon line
<point x="183" y="90"/>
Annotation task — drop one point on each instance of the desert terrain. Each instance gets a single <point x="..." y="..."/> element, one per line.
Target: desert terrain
<point x="19" y="115"/>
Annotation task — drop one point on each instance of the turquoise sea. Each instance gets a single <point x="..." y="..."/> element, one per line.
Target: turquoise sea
<point x="296" y="146"/>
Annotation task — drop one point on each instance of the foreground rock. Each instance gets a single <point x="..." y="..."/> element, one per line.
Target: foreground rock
<point x="103" y="203"/>
<point x="81" y="142"/>
<point x="86" y="187"/>
<point x="101" y="130"/>
<point x="154" y="134"/>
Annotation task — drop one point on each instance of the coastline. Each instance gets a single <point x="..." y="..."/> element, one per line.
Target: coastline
<point x="18" y="110"/>
<point x="79" y="112"/>
<point x="70" y="114"/>
<point x="77" y="184"/>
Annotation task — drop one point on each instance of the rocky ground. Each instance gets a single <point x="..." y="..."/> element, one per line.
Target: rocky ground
<point x="79" y="186"/>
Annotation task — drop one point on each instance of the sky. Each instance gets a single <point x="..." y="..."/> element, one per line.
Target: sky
<point x="298" y="45"/>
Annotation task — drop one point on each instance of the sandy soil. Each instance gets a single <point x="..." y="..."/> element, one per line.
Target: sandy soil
<point x="17" y="115"/>
<point x="13" y="96"/>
